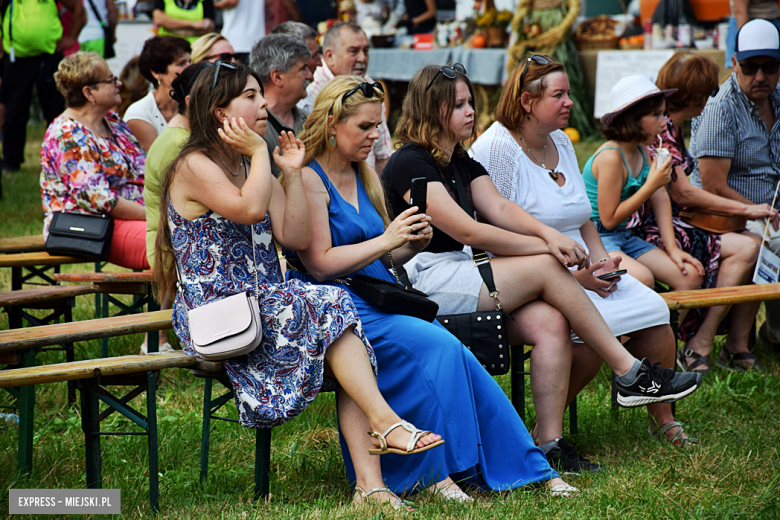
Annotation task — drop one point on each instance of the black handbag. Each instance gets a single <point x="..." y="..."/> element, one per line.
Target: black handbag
<point x="108" y="34"/>
<point x="77" y="234"/>
<point x="483" y="332"/>
<point x="393" y="298"/>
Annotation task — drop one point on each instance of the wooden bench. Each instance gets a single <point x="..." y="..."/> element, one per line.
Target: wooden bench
<point x="29" y="244"/>
<point x="21" y="345"/>
<point x="92" y="377"/>
<point x="27" y="266"/>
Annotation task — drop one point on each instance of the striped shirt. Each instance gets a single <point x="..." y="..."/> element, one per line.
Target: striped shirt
<point x="730" y="126"/>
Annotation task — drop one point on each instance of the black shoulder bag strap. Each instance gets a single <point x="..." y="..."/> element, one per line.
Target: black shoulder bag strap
<point x="108" y="46"/>
<point x="481" y="258"/>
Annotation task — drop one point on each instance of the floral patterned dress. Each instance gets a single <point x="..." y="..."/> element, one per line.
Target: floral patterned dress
<point x="84" y="173"/>
<point x="283" y="375"/>
<point x="700" y="244"/>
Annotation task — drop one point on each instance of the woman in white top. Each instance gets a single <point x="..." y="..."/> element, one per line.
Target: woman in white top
<point x="534" y="165"/>
<point x="161" y="60"/>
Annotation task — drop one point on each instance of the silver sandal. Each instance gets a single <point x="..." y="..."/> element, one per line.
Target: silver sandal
<point x="410" y="446"/>
<point x="397" y="503"/>
<point x="678" y="439"/>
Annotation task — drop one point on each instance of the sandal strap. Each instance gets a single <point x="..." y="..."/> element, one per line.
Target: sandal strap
<point x="678" y="435"/>
<point x="397" y="503"/>
<point x="699" y="360"/>
<point x="415" y="435"/>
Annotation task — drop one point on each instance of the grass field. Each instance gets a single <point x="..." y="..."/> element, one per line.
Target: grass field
<point x="734" y="472"/>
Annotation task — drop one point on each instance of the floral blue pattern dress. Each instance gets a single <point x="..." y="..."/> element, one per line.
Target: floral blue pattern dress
<point x="282" y="376"/>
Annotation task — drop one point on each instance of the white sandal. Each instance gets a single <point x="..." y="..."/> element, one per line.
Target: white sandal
<point x="564" y="490"/>
<point x="451" y="492"/>
<point x="396" y="502"/>
<point x="410" y="446"/>
<point x="165" y="347"/>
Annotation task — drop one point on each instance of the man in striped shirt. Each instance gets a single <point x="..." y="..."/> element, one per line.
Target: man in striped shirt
<point x="736" y="140"/>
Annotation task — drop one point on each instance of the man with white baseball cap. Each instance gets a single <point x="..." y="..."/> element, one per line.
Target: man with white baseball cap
<point x="736" y="140"/>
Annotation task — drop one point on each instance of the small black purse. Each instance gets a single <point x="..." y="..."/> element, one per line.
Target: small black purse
<point x="483" y="332"/>
<point x="393" y="298"/>
<point x="77" y="234"/>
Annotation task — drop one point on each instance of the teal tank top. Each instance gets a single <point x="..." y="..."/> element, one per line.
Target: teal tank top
<point x="632" y="185"/>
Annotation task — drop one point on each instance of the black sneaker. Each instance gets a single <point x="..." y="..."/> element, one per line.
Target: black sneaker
<point x="566" y="461"/>
<point x="656" y="385"/>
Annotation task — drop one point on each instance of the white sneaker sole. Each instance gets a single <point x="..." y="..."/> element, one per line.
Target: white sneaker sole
<point x="632" y="401"/>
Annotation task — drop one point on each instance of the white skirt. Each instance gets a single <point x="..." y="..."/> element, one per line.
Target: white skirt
<point x="453" y="281"/>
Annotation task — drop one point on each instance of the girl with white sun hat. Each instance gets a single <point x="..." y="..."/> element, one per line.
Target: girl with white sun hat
<point x="620" y="178"/>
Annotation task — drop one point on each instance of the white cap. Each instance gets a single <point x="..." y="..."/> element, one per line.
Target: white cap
<point x="628" y="92"/>
<point x="758" y="38"/>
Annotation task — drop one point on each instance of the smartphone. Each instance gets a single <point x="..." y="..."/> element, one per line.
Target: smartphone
<point x="613" y="274"/>
<point x="419" y="193"/>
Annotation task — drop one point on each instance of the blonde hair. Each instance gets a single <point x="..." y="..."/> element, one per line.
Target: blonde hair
<point x="77" y="71"/>
<point x="202" y="46"/>
<point x="315" y="131"/>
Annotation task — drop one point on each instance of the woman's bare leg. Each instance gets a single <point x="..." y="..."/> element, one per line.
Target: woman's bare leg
<point x="539" y="324"/>
<point x="527" y="278"/>
<point x="666" y="271"/>
<point x="348" y="360"/>
<point x="738" y="258"/>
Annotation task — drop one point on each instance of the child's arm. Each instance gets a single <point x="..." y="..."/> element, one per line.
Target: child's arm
<point x="662" y="207"/>
<point x="608" y="170"/>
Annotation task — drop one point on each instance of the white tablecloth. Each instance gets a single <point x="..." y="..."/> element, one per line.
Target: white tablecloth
<point x="484" y="66"/>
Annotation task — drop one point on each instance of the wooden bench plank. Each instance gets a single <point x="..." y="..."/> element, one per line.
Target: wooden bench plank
<point x="35" y="337"/>
<point x="43" y="258"/>
<point x="677" y="300"/>
<point x="146" y="276"/>
<point x="94" y="368"/>
<point x="29" y="244"/>
<point x="44" y="294"/>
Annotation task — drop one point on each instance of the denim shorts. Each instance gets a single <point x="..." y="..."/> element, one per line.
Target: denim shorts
<point x="621" y="239"/>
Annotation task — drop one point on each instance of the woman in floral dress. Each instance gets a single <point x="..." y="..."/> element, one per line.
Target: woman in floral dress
<point x="222" y="215"/>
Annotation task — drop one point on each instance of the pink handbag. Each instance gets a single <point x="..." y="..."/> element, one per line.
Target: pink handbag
<point x="229" y="327"/>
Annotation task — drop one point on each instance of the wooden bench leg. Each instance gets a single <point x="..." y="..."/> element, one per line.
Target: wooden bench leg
<point x="262" y="462"/>
<point x="90" y="424"/>
<point x="517" y="380"/>
<point x="151" y="415"/>
<point x="26" y="418"/>
<point x="573" y="416"/>
<point x="204" y="440"/>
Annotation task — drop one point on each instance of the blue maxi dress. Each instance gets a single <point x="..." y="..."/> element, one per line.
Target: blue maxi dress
<point x="431" y="380"/>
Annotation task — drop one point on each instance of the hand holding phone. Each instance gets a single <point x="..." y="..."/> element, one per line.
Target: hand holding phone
<point x="612" y="275"/>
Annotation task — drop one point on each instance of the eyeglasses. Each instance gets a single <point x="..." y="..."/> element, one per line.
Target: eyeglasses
<point x="751" y="69"/>
<point x="448" y="72"/>
<point x="113" y="80"/>
<point x="224" y="56"/>
<point x="538" y="59"/>
<point x="217" y="65"/>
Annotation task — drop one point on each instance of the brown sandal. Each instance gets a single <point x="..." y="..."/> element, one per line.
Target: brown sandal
<point x="698" y="361"/>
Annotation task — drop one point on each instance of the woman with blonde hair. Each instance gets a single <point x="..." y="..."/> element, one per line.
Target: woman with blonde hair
<point x="425" y="373"/>
<point x="212" y="47"/>
<point x="221" y="214"/>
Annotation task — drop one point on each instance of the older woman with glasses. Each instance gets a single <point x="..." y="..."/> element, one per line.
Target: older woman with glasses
<point x="162" y="59"/>
<point x="728" y="259"/>
<point x="91" y="162"/>
<point x="212" y="47"/>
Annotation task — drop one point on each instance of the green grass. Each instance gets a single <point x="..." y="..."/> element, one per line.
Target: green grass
<point x="734" y="473"/>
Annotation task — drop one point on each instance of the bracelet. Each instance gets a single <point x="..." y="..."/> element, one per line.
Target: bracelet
<point x="601" y="260"/>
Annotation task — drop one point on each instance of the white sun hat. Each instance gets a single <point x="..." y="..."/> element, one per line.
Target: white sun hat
<point x="628" y="92"/>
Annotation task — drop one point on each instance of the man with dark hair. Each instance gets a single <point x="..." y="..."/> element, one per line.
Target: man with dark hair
<point x="33" y="43"/>
<point x="281" y="62"/>
<point x="307" y="35"/>
<point x="736" y="140"/>
<point x="345" y="51"/>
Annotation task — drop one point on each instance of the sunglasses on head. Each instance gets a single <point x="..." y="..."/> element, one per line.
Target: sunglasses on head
<point x="751" y="69"/>
<point x="230" y="66"/>
<point x="366" y="88"/>
<point x="536" y="58"/>
<point x="224" y="56"/>
<point x="448" y="72"/>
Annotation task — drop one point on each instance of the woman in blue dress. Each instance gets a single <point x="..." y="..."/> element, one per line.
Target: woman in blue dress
<point x="424" y="372"/>
<point x="220" y="214"/>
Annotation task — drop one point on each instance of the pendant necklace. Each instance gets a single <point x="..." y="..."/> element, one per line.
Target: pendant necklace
<point x="238" y="170"/>
<point x="552" y="173"/>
